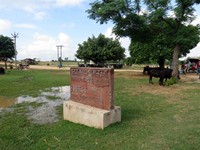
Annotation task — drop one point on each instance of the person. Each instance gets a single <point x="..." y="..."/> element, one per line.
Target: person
<point x="188" y="66"/>
<point x="198" y="68"/>
<point x="183" y="68"/>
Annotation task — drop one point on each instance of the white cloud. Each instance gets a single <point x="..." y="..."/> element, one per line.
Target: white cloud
<point x="40" y="15"/>
<point x="44" y="47"/>
<point x="64" y="39"/>
<point x="25" y="25"/>
<point x="125" y="42"/>
<point x="197" y="20"/>
<point x="4" y="25"/>
<point x="109" y="33"/>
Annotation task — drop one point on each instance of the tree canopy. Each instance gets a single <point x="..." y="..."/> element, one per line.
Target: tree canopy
<point x="159" y="49"/>
<point x="7" y="50"/>
<point x="164" y="26"/>
<point x="100" y="50"/>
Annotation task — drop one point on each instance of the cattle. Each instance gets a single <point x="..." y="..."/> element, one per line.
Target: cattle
<point x="146" y="68"/>
<point x="82" y="65"/>
<point x="162" y="73"/>
<point x="2" y="71"/>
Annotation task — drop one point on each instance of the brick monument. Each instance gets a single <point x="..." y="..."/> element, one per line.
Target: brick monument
<point x="92" y="97"/>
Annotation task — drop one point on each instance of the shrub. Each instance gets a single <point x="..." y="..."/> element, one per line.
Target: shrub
<point x="171" y="81"/>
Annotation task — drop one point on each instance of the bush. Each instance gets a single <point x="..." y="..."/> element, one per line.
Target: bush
<point x="171" y="81"/>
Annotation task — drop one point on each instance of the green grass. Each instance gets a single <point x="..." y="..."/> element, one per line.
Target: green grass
<point x="29" y="82"/>
<point x="153" y="117"/>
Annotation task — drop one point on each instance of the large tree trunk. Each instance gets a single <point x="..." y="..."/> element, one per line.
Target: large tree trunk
<point x="175" y="71"/>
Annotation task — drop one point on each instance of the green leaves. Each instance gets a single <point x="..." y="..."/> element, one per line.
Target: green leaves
<point x="100" y="50"/>
<point x="6" y="48"/>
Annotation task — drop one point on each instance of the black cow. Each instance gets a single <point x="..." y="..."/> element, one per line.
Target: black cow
<point x="162" y="73"/>
<point x="82" y="65"/>
<point x="2" y="70"/>
<point x="146" y="69"/>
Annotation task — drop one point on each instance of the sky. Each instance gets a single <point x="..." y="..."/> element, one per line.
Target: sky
<point x="41" y="25"/>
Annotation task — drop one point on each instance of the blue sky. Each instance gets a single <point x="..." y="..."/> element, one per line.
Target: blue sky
<point x="43" y="24"/>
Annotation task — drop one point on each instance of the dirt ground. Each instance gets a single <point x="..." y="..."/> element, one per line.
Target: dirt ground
<point x="48" y="67"/>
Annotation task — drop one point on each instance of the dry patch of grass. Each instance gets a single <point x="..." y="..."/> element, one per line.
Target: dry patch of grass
<point x="190" y="78"/>
<point x="130" y="74"/>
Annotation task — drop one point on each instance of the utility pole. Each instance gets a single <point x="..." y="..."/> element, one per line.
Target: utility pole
<point x="59" y="53"/>
<point x="15" y="35"/>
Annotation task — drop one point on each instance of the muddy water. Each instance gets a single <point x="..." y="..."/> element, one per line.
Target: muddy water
<point x="49" y="100"/>
<point x="5" y="102"/>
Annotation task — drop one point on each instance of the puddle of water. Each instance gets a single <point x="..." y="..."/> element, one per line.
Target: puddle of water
<point x="62" y="92"/>
<point x="46" y="113"/>
<point x="5" y="102"/>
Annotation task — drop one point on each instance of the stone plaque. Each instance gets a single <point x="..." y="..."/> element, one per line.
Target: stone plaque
<point x="93" y="86"/>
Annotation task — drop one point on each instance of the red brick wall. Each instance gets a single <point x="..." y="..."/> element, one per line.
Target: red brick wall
<point x="93" y="86"/>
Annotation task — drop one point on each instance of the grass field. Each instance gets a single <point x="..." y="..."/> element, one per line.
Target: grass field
<point x="153" y="117"/>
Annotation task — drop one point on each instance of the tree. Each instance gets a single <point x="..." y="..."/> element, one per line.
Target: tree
<point x="66" y="59"/>
<point x="100" y="50"/>
<point x="180" y="34"/>
<point x="7" y="50"/>
<point x="173" y="32"/>
<point x="128" y="61"/>
<point x="158" y="49"/>
<point x="146" y="53"/>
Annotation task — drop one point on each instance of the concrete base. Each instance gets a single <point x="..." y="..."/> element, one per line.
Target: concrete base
<point x="90" y="116"/>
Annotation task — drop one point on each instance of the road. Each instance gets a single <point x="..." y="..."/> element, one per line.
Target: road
<point x="67" y="68"/>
